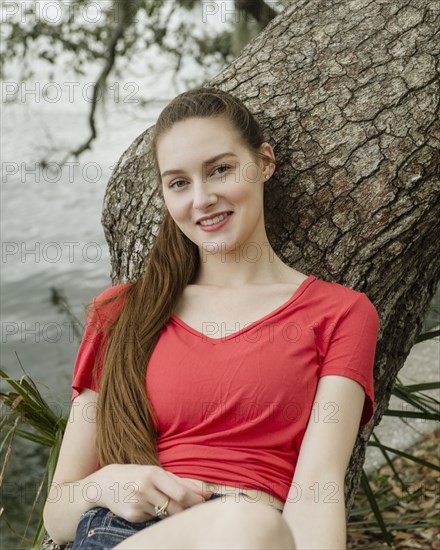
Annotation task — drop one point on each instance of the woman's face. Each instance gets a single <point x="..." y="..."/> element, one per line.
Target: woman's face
<point x="205" y="169"/>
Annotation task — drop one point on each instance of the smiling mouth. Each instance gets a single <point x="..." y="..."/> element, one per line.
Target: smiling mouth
<point x="210" y="219"/>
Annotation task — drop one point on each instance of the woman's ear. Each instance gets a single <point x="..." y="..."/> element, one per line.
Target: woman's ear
<point x="268" y="166"/>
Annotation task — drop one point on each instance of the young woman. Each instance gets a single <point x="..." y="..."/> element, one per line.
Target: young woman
<point x="217" y="399"/>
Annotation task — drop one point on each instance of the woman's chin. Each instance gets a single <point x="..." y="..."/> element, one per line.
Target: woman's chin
<point x="227" y="250"/>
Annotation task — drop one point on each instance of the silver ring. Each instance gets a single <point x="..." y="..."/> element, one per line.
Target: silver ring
<point x="161" y="511"/>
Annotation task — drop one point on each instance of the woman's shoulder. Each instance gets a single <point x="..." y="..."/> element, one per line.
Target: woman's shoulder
<point x="341" y="297"/>
<point x="338" y="290"/>
<point x="108" y="303"/>
<point x="113" y="291"/>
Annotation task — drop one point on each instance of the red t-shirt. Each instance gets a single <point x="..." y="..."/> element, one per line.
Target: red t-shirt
<point x="234" y="410"/>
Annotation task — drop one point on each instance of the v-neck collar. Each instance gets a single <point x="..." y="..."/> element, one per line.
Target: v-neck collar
<point x="298" y="292"/>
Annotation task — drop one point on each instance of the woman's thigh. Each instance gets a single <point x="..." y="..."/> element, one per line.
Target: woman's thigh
<point x="101" y="529"/>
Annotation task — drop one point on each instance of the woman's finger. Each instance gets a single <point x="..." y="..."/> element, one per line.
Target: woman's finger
<point x="158" y="498"/>
<point x="179" y="492"/>
<point x="204" y="492"/>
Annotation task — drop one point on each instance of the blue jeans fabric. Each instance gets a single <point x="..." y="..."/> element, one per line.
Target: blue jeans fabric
<point x="101" y="529"/>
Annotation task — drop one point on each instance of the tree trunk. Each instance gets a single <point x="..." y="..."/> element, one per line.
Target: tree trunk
<point x="348" y="95"/>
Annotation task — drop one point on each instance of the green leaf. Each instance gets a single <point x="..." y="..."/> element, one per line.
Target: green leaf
<point x="406" y="455"/>
<point x="374" y="506"/>
<point x="427" y="336"/>
<point x="388" y="460"/>
<point x="412" y="414"/>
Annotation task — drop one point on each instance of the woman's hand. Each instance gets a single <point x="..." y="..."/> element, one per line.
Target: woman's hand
<point x="131" y="491"/>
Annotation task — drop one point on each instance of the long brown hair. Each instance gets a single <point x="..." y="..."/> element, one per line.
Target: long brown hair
<point x="126" y="424"/>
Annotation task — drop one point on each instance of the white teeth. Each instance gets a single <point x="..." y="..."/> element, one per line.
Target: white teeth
<point x="212" y="221"/>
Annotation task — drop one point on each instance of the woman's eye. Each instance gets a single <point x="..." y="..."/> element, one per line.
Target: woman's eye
<point x="174" y="183"/>
<point x="224" y="166"/>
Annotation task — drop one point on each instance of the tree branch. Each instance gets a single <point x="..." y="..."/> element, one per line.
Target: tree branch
<point x="127" y="11"/>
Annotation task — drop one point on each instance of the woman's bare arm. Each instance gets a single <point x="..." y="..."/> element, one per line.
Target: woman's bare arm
<point x="76" y="471"/>
<point x="129" y="490"/>
<point x="315" y="506"/>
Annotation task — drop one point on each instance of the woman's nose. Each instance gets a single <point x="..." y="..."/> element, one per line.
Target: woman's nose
<point x="203" y="197"/>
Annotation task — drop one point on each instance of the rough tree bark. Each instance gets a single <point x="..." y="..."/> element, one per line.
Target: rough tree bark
<point x="348" y="94"/>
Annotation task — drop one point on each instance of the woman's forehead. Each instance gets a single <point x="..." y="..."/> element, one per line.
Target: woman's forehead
<point x="198" y="142"/>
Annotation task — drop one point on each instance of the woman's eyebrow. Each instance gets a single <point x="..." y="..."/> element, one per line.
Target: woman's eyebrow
<point x="209" y="161"/>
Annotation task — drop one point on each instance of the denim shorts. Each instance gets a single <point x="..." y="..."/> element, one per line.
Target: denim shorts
<point x="101" y="529"/>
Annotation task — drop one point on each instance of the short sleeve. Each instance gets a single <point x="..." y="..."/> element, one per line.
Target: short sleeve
<point x="93" y="335"/>
<point x="352" y="348"/>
